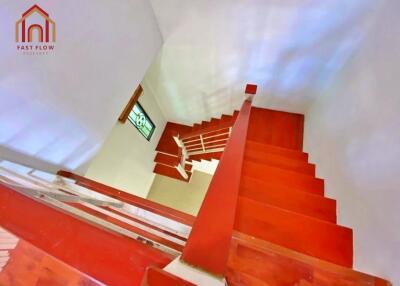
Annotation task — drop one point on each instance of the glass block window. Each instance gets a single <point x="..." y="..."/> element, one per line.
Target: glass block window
<point x="139" y="118"/>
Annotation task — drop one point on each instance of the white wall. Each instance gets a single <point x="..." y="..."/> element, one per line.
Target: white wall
<point x="179" y="195"/>
<point x="56" y="110"/>
<point x="352" y="132"/>
<point x="126" y="160"/>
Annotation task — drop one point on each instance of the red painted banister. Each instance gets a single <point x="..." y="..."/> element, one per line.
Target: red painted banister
<point x="130" y="199"/>
<point x="104" y="255"/>
<point x="209" y="241"/>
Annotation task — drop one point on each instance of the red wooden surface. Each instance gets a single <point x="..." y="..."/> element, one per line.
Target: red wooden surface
<point x="300" y="202"/>
<point x="225" y="118"/>
<point x="167" y="144"/>
<point x="302" y="233"/>
<point x="108" y="257"/>
<point x="165" y="159"/>
<point x="280" y="162"/>
<point x="130" y="199"/>
<point x="251" y="89"/>
<point x="209" y="240"/>
<point x="132" y="101"/>
<point x="29" y="266"/>
<point x="295" y="180"/>
<point x="257" y="184"/>
<point x="276" y="150"/>
<point x="276" y="128"/>
<point x="275" y="265"/>
<point x="282" y="201"/>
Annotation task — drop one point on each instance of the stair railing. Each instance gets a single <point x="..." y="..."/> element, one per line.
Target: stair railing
<point x="90" y="226"/>
<point x="158" y="209"/>
<point x="183" y="157"/>
<point x="209" y="140"/>
<point x="209" y="241"/>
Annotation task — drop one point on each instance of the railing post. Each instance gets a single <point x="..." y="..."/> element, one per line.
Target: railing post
<point x="209" y="241"/>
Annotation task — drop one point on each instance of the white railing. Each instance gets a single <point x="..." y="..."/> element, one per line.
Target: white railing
<point x="200" y="143"/>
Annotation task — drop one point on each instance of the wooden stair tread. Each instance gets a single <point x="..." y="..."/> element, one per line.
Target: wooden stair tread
<point x="295" y="201"/>
<point x="251" y="182"/>
<point x="282" y="177"/>
<point x="305" y="234"/>
<point x="291" y="153"/>
<point x="280" y="161"/>
<point x="278" y="265"/>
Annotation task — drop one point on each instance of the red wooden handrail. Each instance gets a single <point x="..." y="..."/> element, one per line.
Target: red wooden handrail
<point x="209" y="241"/>
<point x="109" y="257"/>
<point x="129" y="198"/>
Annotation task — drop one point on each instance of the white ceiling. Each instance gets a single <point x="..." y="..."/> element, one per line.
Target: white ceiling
<point x="290" y="48"/>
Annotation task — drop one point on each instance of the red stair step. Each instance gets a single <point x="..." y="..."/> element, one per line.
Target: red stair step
<point x="301" y="233"/>
<point x="280" y="266"/>
<point x="226" y="118"/>
<point x="205" y="124"/>
<point x="236" y="277"/>
<point x="290" y="153"/>
<point x="166" y="159"/>
<point x="249" y="182"/>
<point x="280" y="161"/>
<point x="299" y="202"/>
<point x="214" y="122"/>
<point x="268" y="267"/>
<point x="282" y="177"/>
<point x="196" y="127"/>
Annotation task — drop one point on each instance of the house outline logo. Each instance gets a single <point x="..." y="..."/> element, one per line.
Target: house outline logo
<point x="43" y="31"/>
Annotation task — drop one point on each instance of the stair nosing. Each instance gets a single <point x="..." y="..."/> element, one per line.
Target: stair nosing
<point x="293" y="211"/>
<point x="285" y="170"/>
<point x="295" y="189"/>
<point x="302" y="215"/>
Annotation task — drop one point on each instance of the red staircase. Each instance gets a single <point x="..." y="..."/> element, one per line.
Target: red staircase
<point x="179" y="145"/>
<point x="282" y="202"/>
<point x="264" y="220"/>
<point x="266" y="196"/>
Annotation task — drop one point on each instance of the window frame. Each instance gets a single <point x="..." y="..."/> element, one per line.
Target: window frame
<point x="147" y="118"/>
